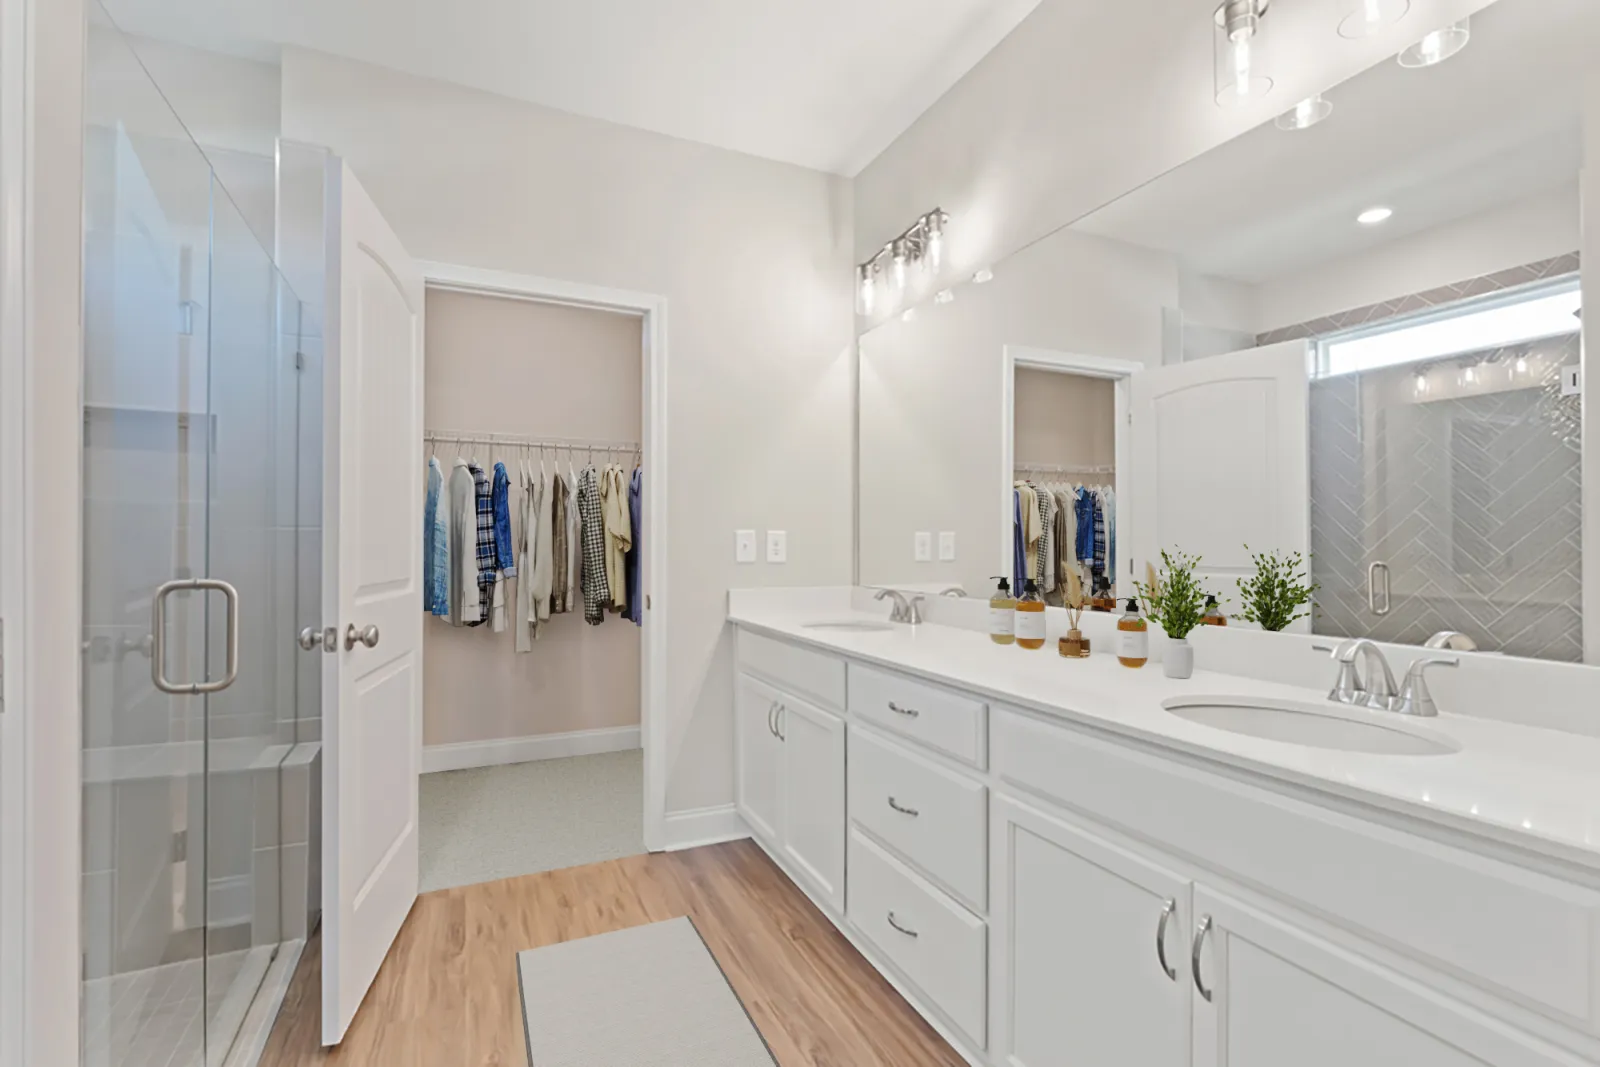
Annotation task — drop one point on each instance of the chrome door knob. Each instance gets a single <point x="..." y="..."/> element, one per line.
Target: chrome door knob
<point x="311" y="638"/>
<point x="367" y="636"/>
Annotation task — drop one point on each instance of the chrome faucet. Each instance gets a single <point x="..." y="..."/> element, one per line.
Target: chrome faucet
<point x="1454" y="640"/>
<point x="902" y="611"/>
<point x="1378" y="691"/>
<point x="955" y="592"/>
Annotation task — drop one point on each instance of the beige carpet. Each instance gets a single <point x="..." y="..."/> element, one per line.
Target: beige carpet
<point x="499" y="822"/>
<point x="650" y="996"/>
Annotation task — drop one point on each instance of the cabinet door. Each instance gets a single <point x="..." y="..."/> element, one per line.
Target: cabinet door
<point x="760" y="770"/>
<point x="1088" y="963"/>
<point x="813" y="782"/>
<point x="1280" y="995"/>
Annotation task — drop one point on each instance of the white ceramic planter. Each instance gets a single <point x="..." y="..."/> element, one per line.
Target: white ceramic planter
<point x="1177" y="659"/>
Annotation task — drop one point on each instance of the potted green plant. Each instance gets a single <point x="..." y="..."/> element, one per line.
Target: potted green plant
<point x="1273" y="597"/>
<point x="1176" y="602"/>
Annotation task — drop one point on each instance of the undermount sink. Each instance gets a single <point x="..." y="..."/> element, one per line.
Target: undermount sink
<point x="851" y="626"/>
<point x="1317" y="726"/>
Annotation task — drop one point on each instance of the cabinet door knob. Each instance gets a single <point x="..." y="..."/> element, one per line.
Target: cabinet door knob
<point x="1167" y="910"/>
<point x="903" y="929"/>
<point x="367" y="636"/>
<point x="1200" y="933"/>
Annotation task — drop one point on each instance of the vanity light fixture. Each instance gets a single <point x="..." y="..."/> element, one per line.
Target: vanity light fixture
<point x="1240" y="53"/>
<point x="944" y="296"/>
<point x="922" y="244"/>
<point x="1438" y="46"/>
<point x="1364" y="18"/>
<point x="982" y="276"/>
<point x="1374" y="215"/>
<point x="1306" y="114"/>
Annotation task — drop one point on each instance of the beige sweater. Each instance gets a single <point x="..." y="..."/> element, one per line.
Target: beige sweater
<point x="619" y="533"/>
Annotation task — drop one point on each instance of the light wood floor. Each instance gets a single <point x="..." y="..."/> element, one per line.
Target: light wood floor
<point x="447" y="994"/>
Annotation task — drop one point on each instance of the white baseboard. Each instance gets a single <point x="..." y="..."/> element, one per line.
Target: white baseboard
<point x="703" y="826"/>
<point x="467" y="754"/>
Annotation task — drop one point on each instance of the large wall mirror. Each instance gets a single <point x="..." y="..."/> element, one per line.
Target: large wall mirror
<point x="1353" y="332"/>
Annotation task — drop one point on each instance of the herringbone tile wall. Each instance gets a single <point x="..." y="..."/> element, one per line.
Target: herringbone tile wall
<point x="1470" y="495"/>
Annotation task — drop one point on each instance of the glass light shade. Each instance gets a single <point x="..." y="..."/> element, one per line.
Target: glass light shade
<point x="1241" y="54"/>
<point x="866" y="289"/>
<point x="1438" y="46"/>
<point x="1306" y="114"/>
<point x="933" y="252"/>
<point x="1364" y="18"/>
<point x="902" y="260"/>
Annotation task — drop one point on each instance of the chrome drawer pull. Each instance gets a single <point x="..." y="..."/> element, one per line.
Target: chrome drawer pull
<point x="910" y="713"/>
<point x="913" y="812"/>
<point x="1194" y="956"/>
<point x="902" y="929"/>
<point x="1167" y="910"/>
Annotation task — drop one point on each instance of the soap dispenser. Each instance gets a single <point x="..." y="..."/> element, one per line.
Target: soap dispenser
<point x="1133" y="637"/>
<point x="1002" y="612"/>
<point x="1030" y="626"/>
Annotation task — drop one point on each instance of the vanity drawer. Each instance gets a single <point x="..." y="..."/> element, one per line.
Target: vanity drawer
<point x="792" y="667"/>
<point x="940" y="718"/>
<point x="1519" y="933"/>
<point x="936" y="819"/>
<point x="935" y="942"/>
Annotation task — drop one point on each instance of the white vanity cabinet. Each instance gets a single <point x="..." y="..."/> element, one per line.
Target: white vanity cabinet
<point x="1050" y="894"/>
<point x="790" y="786"/>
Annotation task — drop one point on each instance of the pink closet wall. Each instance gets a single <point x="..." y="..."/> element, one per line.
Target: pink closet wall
<point x="496" y="365"/>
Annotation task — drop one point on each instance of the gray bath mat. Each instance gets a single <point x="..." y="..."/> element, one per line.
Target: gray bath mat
<point x="650" y="996"/>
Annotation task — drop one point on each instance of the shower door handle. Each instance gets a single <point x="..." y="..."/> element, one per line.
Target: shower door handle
<point x="1376" y="570"/>
<point x="158" y="631"/>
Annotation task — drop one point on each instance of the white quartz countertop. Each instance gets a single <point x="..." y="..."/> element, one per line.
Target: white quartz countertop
<point x="1528" y="786"/>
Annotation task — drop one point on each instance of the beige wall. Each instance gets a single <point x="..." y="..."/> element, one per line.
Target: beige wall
<point x="534" y="370"/>
<point x="754" y="258"/>
<point x="1065" y="420"/>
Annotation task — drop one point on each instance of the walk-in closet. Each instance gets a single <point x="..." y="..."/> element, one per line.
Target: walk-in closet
<point x="1064" y="483"/>
<point x="533" y="533"/>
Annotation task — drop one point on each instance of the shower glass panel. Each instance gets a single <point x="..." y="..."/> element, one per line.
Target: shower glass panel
<point x="1445" y="495"/>
<point x="189" y="453"/>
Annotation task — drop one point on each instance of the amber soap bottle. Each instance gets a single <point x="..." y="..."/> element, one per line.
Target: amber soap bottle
<point x="1133" y="637"/>
<point x="1030" y="617"/>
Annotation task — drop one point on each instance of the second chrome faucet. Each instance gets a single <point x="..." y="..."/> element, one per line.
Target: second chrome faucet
<point x="1377" y="690"/>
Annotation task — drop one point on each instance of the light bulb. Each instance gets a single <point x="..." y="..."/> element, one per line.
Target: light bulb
<point x="1374" y="215"/>
<point x="901" y="260"/>
<point x="935" y="248"/>
<point x="1420" y="381"/>
<point x="1522" y="364"/>
<point x="868" y="289"/>
<point x="1241" y="66"/>
<point x="1470" y="375"/>
<point x="1306" y="114"/>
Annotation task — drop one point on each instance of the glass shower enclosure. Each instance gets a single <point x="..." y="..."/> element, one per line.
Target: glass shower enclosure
<point x="196" y="576"/>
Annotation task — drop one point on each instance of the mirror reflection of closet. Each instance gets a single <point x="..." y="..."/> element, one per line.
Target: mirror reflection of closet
<point x="1064" y="445"/>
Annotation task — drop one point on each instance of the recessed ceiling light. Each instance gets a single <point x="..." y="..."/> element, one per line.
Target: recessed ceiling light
<point x="908" y="314"/>
<point x="944" y="296"/>
<point x="1374" y="215"/>
<point x="1306" y="114"/>
<point x="1437" y="46"/>
<point x="983" y="274"/>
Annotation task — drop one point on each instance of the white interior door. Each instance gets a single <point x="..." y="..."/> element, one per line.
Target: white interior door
<point x="372" y="689"/>
<point x="1219" y="457"/>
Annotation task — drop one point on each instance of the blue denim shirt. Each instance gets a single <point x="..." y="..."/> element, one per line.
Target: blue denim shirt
<point x="435" y="546"/>
<point x="1019" y="564"/>
<point x="505" y="558"/>
<point x="631" y="560"/>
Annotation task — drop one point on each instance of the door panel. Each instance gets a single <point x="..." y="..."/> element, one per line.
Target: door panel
<point x="372" y="696"/>
<point x="1078" y="975"/>
<point x="760" y="783"/>
<point x="813" y="784"/>
<point x="1281" y="996"/>
<point x="1247" y="485"/>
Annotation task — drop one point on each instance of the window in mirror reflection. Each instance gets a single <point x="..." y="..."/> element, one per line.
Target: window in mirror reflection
<point x="1445" y="476"/>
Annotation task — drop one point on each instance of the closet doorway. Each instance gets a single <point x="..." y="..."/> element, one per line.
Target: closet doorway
<point x="1065" y="440"/>
<point x="540" y="744"/>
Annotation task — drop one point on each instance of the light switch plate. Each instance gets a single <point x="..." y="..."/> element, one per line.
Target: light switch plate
<point x="744" y="546"/>
<point x="777" y="546"/>
<point x="1572" y="379"/>
<point x="947" y="545"/>
<point x="922" y="547"/>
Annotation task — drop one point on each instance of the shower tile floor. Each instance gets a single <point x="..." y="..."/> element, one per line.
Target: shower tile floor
<point x="157" y="1017"/>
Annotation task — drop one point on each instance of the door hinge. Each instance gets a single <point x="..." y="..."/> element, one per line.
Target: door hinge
<point x="299" y="361"/>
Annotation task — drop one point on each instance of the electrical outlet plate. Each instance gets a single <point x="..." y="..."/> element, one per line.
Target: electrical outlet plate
<point x="777" y="546"/>
<point x="947" y="546"/>
<point x="922" y="547"/>
<point x="744" y="546"/>
<point x="1571" y="379"/>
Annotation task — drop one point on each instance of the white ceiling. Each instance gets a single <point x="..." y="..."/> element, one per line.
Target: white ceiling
<point x="1496" y="124"/>
<point x="827" y="84"/>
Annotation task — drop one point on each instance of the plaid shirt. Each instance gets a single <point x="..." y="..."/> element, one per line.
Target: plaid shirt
<point x="487" y="555"/>
<point x="596" y="590"/>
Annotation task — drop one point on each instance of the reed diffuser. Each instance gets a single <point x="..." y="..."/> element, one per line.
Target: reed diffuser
<point x="1074" y="645"/>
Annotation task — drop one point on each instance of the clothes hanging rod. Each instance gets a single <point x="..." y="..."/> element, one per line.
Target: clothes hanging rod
<point x="558" y="444"/>
<point x="1050" y="468"/>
